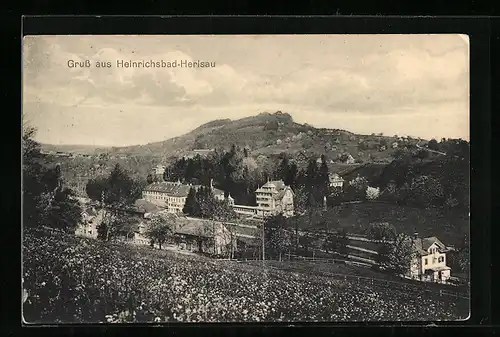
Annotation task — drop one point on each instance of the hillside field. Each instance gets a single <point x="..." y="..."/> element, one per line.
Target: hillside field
<point x="357" y="217"/>
<point x="70" y="279"/>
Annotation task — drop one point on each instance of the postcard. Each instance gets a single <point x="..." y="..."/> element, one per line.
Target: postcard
<point x="249" y="178"/>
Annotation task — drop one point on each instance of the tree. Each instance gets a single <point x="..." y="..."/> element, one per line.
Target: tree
<point x="382" y="231"/>
<point x="45" y="199"/>
<point x="433" y="145"/>
<point x="191" y="206"/>
<point x="398" y="256"/>
<point x="372" y="193"/>
<point x="426" y="190"/>
<point x="323" y="178"/>
<point x="114" y="225"/>
<point x="223" y="213"/>
<point x="63" y="211"/>
<point x="115" y="193"/>
<point x="277" y="238"/>
<point x="206" y="202"/>
<point x="160" y="228"/>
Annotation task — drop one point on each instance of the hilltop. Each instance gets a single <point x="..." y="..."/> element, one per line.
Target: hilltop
<point x="265" y="134"/>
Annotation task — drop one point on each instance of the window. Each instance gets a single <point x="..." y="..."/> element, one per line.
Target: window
<point x="441" y="259"/>
<point x="425" y="261"/>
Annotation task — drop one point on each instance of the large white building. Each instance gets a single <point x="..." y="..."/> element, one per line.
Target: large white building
<point x="274" y="197"/>
<point x="429" y="264"/>
<point x="173" y="195"/>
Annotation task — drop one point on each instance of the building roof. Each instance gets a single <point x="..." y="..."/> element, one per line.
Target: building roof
<point x="146" y="206"/>
<point x="335" y="176"/>
<point x="279" y="184"/>
<point x="281" y="193"/>
<point x="196" y="228"/>
<point x="174" y="189"/>
<point x="216" y="191"/>
<point x="423" y="244"/>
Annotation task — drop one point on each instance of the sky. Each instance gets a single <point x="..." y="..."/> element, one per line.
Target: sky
<point x="415" y="85"/>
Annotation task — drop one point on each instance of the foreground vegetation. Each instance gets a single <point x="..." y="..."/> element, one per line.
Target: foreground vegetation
<point x="70" y="279"/>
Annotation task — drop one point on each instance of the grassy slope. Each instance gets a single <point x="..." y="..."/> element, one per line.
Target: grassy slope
<point x="356" y="218"/>
<point x="289" y="288"/>
<point x="427" y="222"/>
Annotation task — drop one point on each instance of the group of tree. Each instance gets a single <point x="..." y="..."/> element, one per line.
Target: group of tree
<point x="202" y="203"/>
<point x="398" y="255"/>
<point x="235" y="172"/>
<point x="160" y="228"/>
<point x="282" y="237"/>
<point x="441" y="181"/>
<point x="46" y="199"/>
<point x="115" y="194"/>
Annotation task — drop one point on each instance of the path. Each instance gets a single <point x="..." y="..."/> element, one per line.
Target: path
<point x="427" y="149"/>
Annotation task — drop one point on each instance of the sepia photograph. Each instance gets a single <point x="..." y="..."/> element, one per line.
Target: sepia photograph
<point x="245" y="178"/>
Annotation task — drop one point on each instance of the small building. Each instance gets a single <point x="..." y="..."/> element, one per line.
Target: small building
<point x="394" y="145"/>
<point x="159" y="170"/>
<point x="335" y="180"/>
<point x="91" y="219"/>
<point x="429" y="264"/>
<point x="206" y="237"/>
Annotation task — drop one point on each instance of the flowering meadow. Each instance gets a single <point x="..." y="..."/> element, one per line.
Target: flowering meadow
<point x="67" y="279"/>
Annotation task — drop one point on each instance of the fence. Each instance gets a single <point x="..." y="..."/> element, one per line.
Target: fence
<point x="409" y="285"/>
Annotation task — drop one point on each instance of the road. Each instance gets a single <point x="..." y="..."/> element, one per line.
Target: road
<point x="427" y="149"/>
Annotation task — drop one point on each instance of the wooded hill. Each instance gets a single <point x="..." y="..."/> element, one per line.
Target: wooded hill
<point x="266" y="134"/>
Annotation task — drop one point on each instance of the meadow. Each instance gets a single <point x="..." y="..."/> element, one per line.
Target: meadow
<point x="77" y="280"/>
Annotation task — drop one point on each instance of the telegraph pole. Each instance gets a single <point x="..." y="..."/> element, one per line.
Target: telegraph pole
<point x="263" y="246"/>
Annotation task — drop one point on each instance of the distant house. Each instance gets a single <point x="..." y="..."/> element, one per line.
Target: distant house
<point x="159" y="170"/>
<point x="348" y="159"/>
<point x="394" y="145"/>
<point x="429" y="264"/>
<point x="301" y="157"/>
<point x="335" y="180"/>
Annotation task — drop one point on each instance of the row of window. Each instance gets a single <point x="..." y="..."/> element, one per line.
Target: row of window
<point x="439" y="260"/>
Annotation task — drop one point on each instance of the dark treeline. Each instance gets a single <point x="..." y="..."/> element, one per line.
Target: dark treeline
<point x="46" y="199"/>
<point x="424" y="179"/>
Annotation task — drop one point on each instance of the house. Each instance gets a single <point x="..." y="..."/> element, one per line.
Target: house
<point x="274" y="197"/>
<point x="159" y="170"/>
<point x="205" y="237"/>
<point x="429" y="264"/>
<point x="394" y="145"/>
<point x="347" y="158"/>
<point x="91" y="219"/>
<point x="301" y="157"/>
<point x="335" y="180"/>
